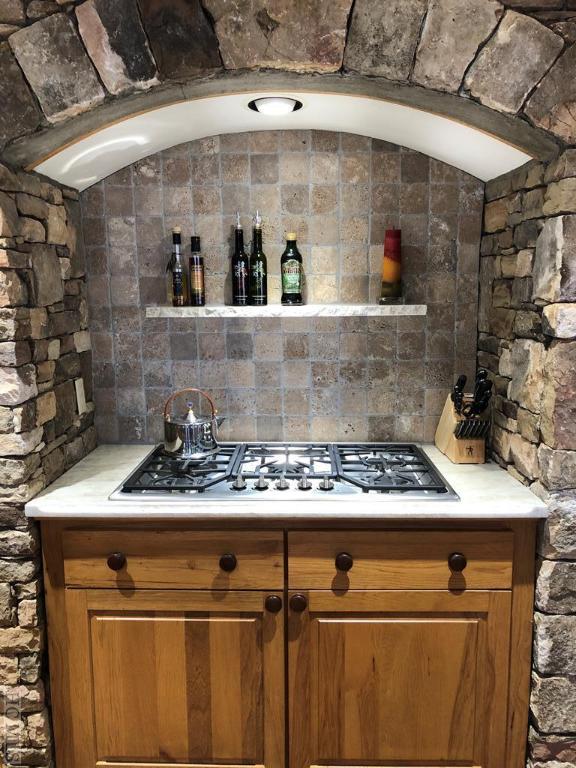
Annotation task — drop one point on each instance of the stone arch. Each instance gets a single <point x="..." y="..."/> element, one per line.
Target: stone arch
<point x="479" y="62"/>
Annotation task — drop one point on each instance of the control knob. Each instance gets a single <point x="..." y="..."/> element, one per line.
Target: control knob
<point x="304" y="483"/>
<point x="261" y="484"/>
<point x="282" y="484"/>
<point x="326" y="484"/>
<point x="239" y="483"/>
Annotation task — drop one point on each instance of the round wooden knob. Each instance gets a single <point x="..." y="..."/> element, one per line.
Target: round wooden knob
<point x="457" y="562"/>
<point x="116" y="561"/>
<point x="228" y="562"/>
<point x="298" y="603"/>
<point x="344" y="561"/>
<point x="273" y="603"/>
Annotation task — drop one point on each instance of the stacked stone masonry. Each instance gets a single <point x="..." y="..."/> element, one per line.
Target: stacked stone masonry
<point x="527" y="340"/>
<point x="67" y="57"/>
<point x="46" y="426"/>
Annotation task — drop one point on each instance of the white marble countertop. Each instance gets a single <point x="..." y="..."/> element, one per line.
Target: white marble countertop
<point x="486" y="492"/>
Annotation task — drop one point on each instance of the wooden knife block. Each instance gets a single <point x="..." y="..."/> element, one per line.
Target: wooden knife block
<point x="472" y="451"/>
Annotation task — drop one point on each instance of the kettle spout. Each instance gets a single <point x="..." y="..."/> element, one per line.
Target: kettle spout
<point x="219" y="420"/>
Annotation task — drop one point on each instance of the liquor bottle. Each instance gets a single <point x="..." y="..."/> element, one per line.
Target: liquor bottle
<point x="291" y="269"/>
<point x="177" y="270"/>
<point x="240" y="267"/>
<point x="391" y="287"/>
<point x="196" y="272"/>
<point x="258" y="266"/>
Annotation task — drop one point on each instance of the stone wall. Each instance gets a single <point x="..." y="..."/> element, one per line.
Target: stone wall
<point x="481" y="61"/>
<point x="527" y="324"/>
<point x="46" y="425"/>
<point x="352" y="378"/>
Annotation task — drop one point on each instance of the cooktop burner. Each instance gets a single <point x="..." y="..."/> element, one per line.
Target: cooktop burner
<point x="287" y="470"/>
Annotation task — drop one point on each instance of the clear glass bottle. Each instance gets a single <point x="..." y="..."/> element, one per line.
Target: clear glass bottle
<point x="178" y="280"/>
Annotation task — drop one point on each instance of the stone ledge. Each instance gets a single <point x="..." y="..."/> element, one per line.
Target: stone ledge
<point x="305" y="310"/>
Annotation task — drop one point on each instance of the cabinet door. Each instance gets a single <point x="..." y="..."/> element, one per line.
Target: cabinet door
<point x="176" y="677"/>
<point x="389" y="678"/>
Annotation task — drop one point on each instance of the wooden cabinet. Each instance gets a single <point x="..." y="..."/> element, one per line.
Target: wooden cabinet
<point x="176" y="677"/>
<point x="287" y="655"/>
<point x="399" y="678"/>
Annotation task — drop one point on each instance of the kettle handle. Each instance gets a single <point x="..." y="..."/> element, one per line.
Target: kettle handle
<point x="167" y="407"/>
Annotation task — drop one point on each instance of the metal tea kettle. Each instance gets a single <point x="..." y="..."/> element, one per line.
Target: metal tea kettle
<point x="190" y="436"/>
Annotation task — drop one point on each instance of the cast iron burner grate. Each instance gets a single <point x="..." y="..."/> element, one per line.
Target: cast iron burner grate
<point x="387" y="468"/>
<point x="161" y="472"/>
<point x="273" y="460"/>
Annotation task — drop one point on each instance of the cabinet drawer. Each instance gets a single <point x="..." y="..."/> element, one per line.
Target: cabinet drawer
<point x="400" y="560"/>
<point x="179" y="559"/>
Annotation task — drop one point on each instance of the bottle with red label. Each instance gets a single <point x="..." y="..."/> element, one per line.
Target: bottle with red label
<point x="392" y="267"/>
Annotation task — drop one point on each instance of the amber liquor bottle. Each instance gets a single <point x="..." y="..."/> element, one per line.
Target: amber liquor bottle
<point x="258" y="266"/>
<point x="240" y="267"/>
<point x="196" y="273"/>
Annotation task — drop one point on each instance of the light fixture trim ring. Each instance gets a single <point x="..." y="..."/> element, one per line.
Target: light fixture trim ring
<point x="254" y="105"/>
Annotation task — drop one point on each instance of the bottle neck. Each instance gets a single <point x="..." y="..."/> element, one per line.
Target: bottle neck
<point x="291" y="245"/>
<point x="239" y="241"/>
<point x="176" y="252"/>
<point x="256" y="240"/>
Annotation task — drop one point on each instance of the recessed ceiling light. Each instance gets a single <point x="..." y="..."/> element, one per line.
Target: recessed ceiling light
<point x="275" y="105"/>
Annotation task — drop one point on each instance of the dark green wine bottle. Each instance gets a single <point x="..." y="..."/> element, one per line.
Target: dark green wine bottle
<point x="240" y="268"/>
<point x="258" y="266"/>
<point x="291" y="269"/>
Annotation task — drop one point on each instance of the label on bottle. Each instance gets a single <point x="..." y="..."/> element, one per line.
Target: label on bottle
<point x="177" y="283"/>
<point x="258" y="277"/>
<point x="240" y="282"/>
<point x="291" y="276"/>
<point x="196" y="278"/>
<point x="240" y="271"/>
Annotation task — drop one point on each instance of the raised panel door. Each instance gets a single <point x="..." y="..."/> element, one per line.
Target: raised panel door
<point x="399" y="679"/>
<point x="177" y="678"/>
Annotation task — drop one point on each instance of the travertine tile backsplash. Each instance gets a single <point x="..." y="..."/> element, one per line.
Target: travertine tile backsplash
<point x="324" y="378"/>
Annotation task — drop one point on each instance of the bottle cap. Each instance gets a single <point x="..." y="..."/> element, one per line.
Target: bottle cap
<point x="291" y="236"/>
<point x="258" y="220"/>
<point x="238" y="223"/>
<point x="195" y="244"/>
<point x="176" y="230"/>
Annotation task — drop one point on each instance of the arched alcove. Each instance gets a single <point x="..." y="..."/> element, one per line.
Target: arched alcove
<point x="100" y="153"/>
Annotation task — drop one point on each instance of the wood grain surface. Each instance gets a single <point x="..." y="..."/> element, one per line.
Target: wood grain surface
<point x="400" y="559"/>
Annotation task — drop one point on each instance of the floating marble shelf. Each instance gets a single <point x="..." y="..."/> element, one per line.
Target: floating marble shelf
<point x="305" y="310"/>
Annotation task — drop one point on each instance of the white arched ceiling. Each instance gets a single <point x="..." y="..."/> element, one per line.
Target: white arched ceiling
<point x="99" y="154"/>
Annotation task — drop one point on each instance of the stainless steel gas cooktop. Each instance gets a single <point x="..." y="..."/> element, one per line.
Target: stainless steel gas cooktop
<point x="287" y="471"/>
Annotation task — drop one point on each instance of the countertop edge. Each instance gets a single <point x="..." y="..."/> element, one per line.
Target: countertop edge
<point x="59" y="501"/>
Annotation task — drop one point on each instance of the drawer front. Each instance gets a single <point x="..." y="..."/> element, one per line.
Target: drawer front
<point x="178" y="559"/>
<point x="400" y="560"/>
